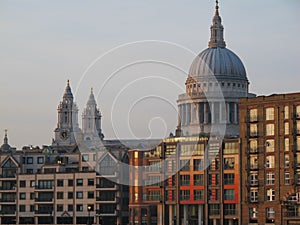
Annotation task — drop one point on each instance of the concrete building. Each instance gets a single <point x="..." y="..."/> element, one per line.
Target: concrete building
<point x="270" y="156"/>
<point x="74" y="181"/>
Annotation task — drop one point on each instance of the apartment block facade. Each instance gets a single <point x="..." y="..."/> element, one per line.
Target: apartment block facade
<point x="270" y="156"/>
<point x="186" y="180"/>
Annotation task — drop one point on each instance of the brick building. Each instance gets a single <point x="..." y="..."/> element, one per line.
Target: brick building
<point x="270" y="156"/>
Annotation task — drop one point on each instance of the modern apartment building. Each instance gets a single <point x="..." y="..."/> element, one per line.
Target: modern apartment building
<point x="270" y="156"/>
<point x="186" y="180"/>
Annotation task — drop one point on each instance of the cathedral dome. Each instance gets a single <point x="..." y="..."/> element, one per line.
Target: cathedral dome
<point x="217" y="60"/>
<point x="220" y="62"/>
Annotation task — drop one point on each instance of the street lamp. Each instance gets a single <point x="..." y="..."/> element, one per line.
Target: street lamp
<point x="89" y="208"/>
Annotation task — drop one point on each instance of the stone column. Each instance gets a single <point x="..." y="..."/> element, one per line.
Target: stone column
<point x="221" y="112"/>
<point x="159" y="215"/>
<point x="215" y="222"/>
<point x="212" y="112"/>
<point x="197" y="112"/>
<point x="235" y="113"/>
<point x="230" y="222"/>
<point x="185" y="214"/>
<point x="200" y="215"/>
<point x="205" y="113"/>
<point x="193" y="112"/>
<point x="228" y="112"/>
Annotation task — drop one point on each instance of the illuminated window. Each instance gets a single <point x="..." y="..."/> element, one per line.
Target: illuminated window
<point x="253" y="146"/>
<point x="286" y="112"/>
<point x="286" y="128"/>
<point x="270" y="161"/>
<point x="253" y="213"/>
<point x="270" y="213"/>
<point x="253" y="115"/>
<point x="269" y="146"/>
<point x="269" y="113"/>
<point x="253" y="162"/>
<point x="286" y="144"/>
<point x="253" y="129"/>
<point x="270" y="195"/>
<point x="270" y="131"/>
<point x="286" y="160"/>
<point x="287" y="178"/>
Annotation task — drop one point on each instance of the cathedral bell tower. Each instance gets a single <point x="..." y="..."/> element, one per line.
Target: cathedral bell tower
<point x="67" y="124"/>
<point x="91" y="120"/>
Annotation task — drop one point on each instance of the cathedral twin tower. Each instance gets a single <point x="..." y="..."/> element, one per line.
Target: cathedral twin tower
<point x="68" y="132"/>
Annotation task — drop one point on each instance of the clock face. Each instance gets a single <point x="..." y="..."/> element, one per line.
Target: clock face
<point x="64" y="135"/>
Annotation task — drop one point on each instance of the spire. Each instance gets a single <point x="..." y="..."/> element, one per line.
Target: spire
<point x="68" y="93"/>
<point x="91" y="100"/>
<point x="217" y="35"/>
<point x="5" y="141"/>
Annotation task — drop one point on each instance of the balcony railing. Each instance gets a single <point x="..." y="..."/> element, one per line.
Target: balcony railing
<point x="49" y="212"/>
<point x="43" y="199"/>
<point x="7" y="200"/>
<point x="292" y="214"/>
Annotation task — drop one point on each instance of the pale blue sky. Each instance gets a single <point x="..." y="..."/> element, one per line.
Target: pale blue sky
<point x="44" y="43"/>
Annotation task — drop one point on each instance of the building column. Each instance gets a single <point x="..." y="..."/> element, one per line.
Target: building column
<point x="196" y="113"/>
<point x="193" y="112"/>
<point x="228" y="112"/>
<point x="184" y="114"/>
<point x="215" y="222"/>
<point x="200" y="215"/>
<point x="205" y="113"/>
<point x="159" y="215"/>
<point x="185" y="214"/>
<point x="212" y="112"/>
<point x="235" y="113"/>
<point x="170" y="214"/>
<point x="221" y="113"/>
<point x="230" y="222"/>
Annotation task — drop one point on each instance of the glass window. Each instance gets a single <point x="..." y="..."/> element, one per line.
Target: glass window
<point x="70" y="195"/>
<point x="270" y="161"/>
<point x="60" y="208"/>
<point x="253" y="195"/>
<point x="185" y="195"/>
<point x="198" y="179"/>
<point x="90" y="194"/>
<point x="214" y="209"/>
<point x="270" y="195"/>
<point x="79" y="182"/>
<point x="198" y="194"/>
<point x="229" y="163"/>
<point x="253" y="130"/>
<point x="29" y="160"/>
<point x="185" y="165"/>
<point x="270" y="213"/>
<point x="22" y="196"/>
<point x="253" y="115"/>
<point x="32" y="196"/>
<point x="85" y="157"/>
<point x="270" y="178"/>
<point x="298" y="127"/>
<point x="270" y="145"/>
<point x="198" y="164"/>
<point x="298" y="111"/>
<point x="253" y="212"/>
<point x="60" y="195"/>
<point x="286" y="161"/>
<point x="270" y="131"/>
<point x="60" y="183"/>
<point x="228" y="178"/>
<point x="253" y="178"/>
<point x="22" y="183"/>
<point x="70" y="183"/>
<point x="287" y="178"/>
<point x="229" y="209"/>
<point x="269" y="113"/>
<point x="286" y="128"/>
<point x="185" y="180"/>
<point x="90" y="182"/>
<point x="286" y="144"/>
<point x="253" y="146"/>
<point x="79" y="207"/>
<point x="286" y="112"/>
<point x="32" y="183"/>
<point x="40" y="160"/>
<point x="79" y="194"/>
<point x="253" y="162"/>
<point x="22" y="208"/>
<point x="229" y="194"/>
<point x="70" y="208"/>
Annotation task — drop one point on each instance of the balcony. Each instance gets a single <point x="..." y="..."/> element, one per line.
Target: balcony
<point x="107" y="213"/>
<point x="107" y="187"/>
<point x="45" y="212"/>
<point x="7" y="200"/>
<point x="47" y="188"/>
<point x="43" y="200"/>
<point x="293" y="214"/>
<point x="8" y="212"/>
